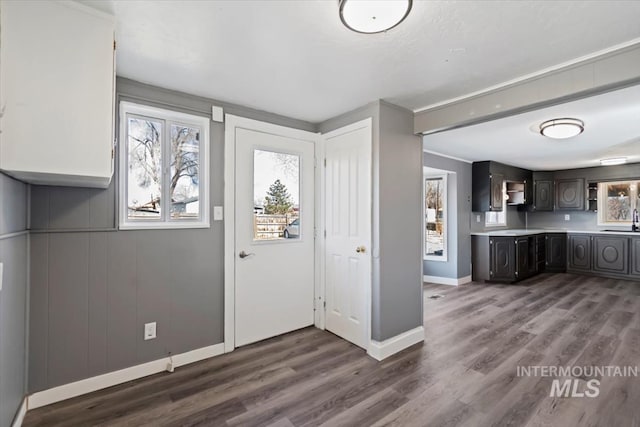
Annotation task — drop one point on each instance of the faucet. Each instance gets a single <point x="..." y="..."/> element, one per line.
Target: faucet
<point x="634" y="221"/>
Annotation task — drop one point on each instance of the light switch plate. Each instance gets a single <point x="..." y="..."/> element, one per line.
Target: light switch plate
<point x="1" y="271"/>
<point x="218" y="213"/>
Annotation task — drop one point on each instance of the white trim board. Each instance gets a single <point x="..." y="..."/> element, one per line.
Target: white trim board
<point x="67" y="391"/>
<point x="381" y="350"/>
<point x="22" y="411"/>
<point x="446" y="280"/>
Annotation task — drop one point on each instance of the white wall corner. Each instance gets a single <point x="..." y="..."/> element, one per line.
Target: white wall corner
<point x="22" y="411"/>
<point x="381" y="350"/>
<point x="446" y="280"/>
<point x="88" y="385"/>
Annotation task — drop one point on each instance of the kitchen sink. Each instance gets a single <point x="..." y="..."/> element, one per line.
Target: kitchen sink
<point x="623" y="231"/>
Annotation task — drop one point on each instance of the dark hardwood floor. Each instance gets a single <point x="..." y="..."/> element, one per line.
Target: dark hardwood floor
<point x="463" y="375"/>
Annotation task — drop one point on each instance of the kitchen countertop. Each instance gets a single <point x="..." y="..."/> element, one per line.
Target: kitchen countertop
<point x="529" y="232"/>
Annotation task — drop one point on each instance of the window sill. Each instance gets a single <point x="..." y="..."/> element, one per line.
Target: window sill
<point x="435" y="258"/>
<point x="163" y="226"/>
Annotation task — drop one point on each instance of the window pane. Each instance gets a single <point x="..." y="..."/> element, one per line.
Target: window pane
<point x="435" y="216"/>
<point x="276" y="196"/>
<point x="618" y="202"/>
<point x="184" y="185"/>
<point x="145" y="168"/>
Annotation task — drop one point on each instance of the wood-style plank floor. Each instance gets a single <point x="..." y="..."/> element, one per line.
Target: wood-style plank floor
<point x="463" y="375"/>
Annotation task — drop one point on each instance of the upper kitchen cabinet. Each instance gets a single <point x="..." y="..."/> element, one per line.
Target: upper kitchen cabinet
<point x="543" y="195"/>
<point x="570" y="194"/>
<point x="57" y="84"/>
<point x="487" y="188"/>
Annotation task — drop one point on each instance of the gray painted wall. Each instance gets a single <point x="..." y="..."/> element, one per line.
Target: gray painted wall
<point x="13" y="297"/>
<point x="400" y="192"/>
<point x="397" y="182"/>
<point x="458" y="262"/>
<point x="92" y="290"/>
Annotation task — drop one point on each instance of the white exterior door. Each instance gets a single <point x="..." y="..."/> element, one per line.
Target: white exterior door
<point x="348" y="232"/>
<point x="274" y="231"/>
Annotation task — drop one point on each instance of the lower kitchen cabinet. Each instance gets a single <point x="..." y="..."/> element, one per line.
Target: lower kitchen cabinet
<point x="634" y="243"/>
<point x="610" y="254"/>
<point x="555" y="252"/>
<point x="502" y="258"/>
<point x="579" y="252"/>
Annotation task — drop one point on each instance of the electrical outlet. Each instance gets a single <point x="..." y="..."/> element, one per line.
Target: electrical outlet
<point x="477" y="218"/>
<point x="567" y="217"/>
<point x="149" y="331"/>
<point x="0" y="276"/>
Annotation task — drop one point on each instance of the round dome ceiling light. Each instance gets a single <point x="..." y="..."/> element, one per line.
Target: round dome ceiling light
<point x="562" y="128"/>
<point x="373" y="16"/>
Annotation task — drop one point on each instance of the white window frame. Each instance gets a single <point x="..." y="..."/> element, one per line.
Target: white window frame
<point x="499" y="214"/>
<point x="634" y="201"/>
<point x="445" y="252"/>
<point x="168" y="117"/>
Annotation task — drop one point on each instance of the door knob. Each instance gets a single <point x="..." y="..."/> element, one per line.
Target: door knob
<point x="243" y="254"/>
<point x="361" y="249"/>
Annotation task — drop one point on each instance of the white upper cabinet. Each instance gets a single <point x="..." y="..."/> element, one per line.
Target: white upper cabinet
<point x="57" y="94"/>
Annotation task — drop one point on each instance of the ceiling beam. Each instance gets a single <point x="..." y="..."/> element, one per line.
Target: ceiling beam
<point x="611" y="71"/>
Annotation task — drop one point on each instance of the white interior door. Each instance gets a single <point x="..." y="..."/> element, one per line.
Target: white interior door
<point x="348" y="232"/>
<point x="274" y="227"/>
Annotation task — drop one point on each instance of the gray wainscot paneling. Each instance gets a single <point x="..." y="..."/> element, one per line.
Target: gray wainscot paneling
<point x="14" y="242"/>
<point x="458" y="264"/>
<point x="93" y="288"/>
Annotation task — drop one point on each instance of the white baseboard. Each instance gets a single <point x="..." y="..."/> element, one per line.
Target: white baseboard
<point x="381" y="350"/>
<point x="22" y="411"/>
<point x="67" y="391"/>
<point x="447" y="280"/>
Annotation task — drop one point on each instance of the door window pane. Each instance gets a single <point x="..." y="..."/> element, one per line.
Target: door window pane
<point x="435" y="216"/>
<point x="276" y="195"/>
<point x="145" y="168"/>
<point x="184" y="185"/>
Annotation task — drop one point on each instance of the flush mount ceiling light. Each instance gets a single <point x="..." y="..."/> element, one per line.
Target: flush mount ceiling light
<point x="613" y="161"/>
<point x="561" y="128"/>
<point x="373" y="16"/>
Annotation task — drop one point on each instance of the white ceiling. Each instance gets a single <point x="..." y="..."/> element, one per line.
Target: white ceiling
<point x="612" y="129"/>
<point x="295" y="58"/>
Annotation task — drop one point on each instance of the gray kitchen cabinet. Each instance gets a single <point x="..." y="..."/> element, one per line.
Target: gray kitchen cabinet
<point x="610" y="254"/>
<point x="579" y="252"/>
<point x="555" y="252"/>
<point x="635" y="256"/>
<point x="543" y="195"/>
<point x="570" y="194"/>
<point x="502" y="259"/>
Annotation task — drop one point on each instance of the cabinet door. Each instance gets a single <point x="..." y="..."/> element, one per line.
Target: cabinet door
<point x="635" y="256"/>
<point x="543" y="195"/>
<point x="570" y="194"/>
<point x="497" y="194"/>
<point x="579" y="252"/>
<point x="532" y="252"/>
<point x="556" y="252"/>
<point x="502" y="258"/>
<point x="610" y="254"/>
<point x="522" y="258"/>
<point x="541" y="257"/>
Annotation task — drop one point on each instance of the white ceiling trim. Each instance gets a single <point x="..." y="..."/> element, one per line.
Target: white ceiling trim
<point x="534" y="75"/>
<point x="447" y="156"/>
